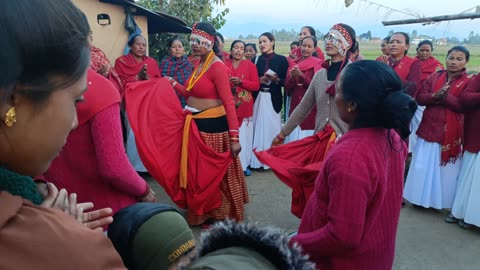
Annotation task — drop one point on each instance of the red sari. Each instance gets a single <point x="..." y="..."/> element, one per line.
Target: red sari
<point x="98" y="59"/>
<point x="247" y="72"/>
<point x="128" y="68"/>
<point x="297" y="87"/>
<point x="429" y="66"/>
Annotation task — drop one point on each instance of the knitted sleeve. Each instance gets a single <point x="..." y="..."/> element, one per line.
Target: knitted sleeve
<point x="349" y="191"/>
<point x="112" y="162"/>
<point x="470" y="97"/>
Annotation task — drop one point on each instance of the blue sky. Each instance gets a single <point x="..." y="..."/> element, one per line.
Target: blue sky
<point x="257" y="16"/>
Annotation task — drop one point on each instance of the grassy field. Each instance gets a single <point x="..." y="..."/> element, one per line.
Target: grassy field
<point x="372" y="51"/>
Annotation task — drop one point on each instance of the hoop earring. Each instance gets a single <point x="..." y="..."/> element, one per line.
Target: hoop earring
<point x="10" y="117"/>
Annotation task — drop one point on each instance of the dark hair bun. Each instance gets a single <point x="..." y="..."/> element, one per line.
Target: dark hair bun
<point x="397" y="110"/>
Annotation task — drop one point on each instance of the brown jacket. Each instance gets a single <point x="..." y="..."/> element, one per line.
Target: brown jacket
<point x="33" y="237"/>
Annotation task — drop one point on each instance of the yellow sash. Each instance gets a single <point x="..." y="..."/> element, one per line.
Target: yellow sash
<point x="209" y="113"/>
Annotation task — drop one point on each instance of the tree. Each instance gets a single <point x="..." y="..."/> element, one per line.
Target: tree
<point x="390" y="33"/>
<point x="414" y="34"/>
<point x="191" y="11"/>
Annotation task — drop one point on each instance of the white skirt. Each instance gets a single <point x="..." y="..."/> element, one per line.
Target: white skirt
<point x="132" y="153"/>
<point x="298" y="134"/>
<point x="414" y="124"/>
<point x="467" y="199"/>
<point x="266" y="125"/>
<point x="288" y="101"/>
<point x="246" y="141"/>
<point x="428" y="183"/>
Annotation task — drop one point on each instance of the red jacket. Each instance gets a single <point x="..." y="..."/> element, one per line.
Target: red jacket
<point x="433" y="122"/>
<point x="350" y="221"/>
<point x="470" y="100"/>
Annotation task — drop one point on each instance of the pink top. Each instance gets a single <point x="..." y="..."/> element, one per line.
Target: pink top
<point x="350" y="221"/>
<point x="93" y="164"/>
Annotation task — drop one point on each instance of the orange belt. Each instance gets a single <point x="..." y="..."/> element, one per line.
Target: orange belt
<point x="209" y="113"/>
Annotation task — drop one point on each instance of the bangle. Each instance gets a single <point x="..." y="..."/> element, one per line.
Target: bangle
<point x="233" y="139"/>
<point x="174" y="84"/>
<point x="280" y="138"/>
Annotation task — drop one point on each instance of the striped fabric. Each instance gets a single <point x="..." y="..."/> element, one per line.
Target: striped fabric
<point x="233" y="187"/>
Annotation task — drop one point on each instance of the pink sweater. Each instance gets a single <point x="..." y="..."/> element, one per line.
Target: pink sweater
<point x="93" y="164"/>
<point x="350" y="221"/>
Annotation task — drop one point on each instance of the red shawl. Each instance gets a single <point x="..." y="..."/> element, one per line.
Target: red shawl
<point x="305" y="64"/>
<point x="100" y="95"/>
<point x="298" y="53"/>
<point x="452" y="142"/>
<point x="128" y="68"/>
<point x="429" y="66"/>
<point x="157" y="120"/>
<point x="98" y="59"/>
<point x="402" y="67"/>
<point x="298" y="163"/>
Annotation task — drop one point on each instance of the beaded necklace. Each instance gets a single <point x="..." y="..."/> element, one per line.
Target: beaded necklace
<point x="205" y="66"/>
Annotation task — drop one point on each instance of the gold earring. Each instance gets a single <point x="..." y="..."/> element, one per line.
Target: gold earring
<point x="10" y="117"/>
<point x="349" y="110"/>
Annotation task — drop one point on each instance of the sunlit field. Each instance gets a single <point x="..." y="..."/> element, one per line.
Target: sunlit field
<point x="372" y="51"/>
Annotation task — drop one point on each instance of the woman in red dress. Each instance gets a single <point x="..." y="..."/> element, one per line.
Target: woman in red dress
<point x="406" y="67"/>
<point x="429" y="65"/>
<point x="134" y="67"/>
<point x="243" y="80"/>
<point x="193" y="153"/>
<point x="356" y="201"/>
<point x="299" y="77"/>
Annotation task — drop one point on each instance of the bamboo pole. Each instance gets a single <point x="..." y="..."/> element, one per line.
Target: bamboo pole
<point x="463" y="16"/>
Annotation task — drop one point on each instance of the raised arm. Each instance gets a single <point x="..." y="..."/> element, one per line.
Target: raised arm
<point x="425" y="95"/>
<point x="219" y="75"/>
<point x="251" y="82"/>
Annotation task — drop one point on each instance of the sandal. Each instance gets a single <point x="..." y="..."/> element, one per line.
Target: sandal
<point x="451" y="219"/>
<point x="464" y="225"/>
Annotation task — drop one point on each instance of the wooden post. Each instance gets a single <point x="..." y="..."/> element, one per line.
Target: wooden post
<point x="427" y="20"/>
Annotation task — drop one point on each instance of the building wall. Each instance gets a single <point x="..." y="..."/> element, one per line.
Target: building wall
<point x="111" y="38"/>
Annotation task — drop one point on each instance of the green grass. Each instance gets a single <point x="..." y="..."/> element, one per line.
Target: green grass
<point x="372" y="51"/>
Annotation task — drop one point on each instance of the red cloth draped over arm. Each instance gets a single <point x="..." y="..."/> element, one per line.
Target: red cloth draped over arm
<point x="157" y="120"/>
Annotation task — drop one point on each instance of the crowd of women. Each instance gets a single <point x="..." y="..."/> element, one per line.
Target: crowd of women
<point x="198" y="125"/>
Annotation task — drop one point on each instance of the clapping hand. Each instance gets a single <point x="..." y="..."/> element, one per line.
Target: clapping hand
<point x="143" y="75"/>
<point x="53" y="198"/>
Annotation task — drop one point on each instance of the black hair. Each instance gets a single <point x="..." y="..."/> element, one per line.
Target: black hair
<point x="311" y="30"/>
<point x="377" y="91"/>
<point x="425" y="42"/>
<point x="41" y="40"/>
<point x="355" y="47"/>
<point x="253" y="45"/>
<point x="460" y="49"/>
<point x="407" y="39"/>
<point x="173" y="39"/>
<point x="295" y="43"/>
<point x="387" y="39"/>
<point x="270" y="37"/>
<point x="220" y="36"/>
<point x="208" y="27"/>
<point x="132" y="39"/>
<point x="233" y="45"/>
<point x="315" y="42"/>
